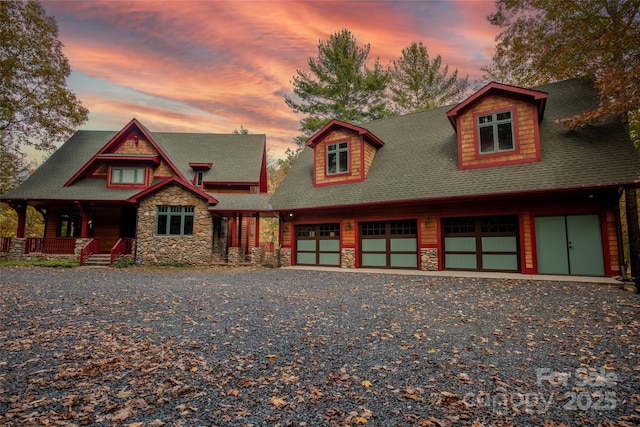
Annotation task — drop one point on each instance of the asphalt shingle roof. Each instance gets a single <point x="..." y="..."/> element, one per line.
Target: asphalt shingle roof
<point x="235" y="158"/>
<point x="419" y="160"/>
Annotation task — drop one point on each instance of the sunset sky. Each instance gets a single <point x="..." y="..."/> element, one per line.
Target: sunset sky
<point x="212" y="66"/>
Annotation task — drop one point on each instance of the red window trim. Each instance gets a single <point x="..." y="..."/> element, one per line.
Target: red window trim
<point x="110" y="184"/>
<point x="516" y="134"/>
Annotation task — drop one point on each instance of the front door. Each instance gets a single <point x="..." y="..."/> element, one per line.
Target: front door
<point x="569" y="244"/>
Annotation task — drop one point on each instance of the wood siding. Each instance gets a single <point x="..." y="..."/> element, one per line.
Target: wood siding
<point x="356" y="169"/>
<point x="525" y="133"/>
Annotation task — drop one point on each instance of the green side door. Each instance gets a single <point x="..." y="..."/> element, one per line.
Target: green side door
<point x="570" y="244"/>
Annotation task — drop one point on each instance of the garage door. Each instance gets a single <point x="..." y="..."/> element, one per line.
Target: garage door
<point x="389" y="244"/>
<point x="318" y="244"/>
<point x="482" y="243"/>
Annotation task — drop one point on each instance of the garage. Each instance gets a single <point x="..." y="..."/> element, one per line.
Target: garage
<point x="389" y="244"/>
<point x="481" y="243"/>
<point x="318" y="244"/>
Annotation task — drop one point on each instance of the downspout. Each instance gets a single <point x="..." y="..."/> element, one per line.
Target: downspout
<point x="623" y="264"/>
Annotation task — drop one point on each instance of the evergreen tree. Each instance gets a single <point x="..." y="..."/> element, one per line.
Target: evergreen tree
<point x="339" y="85"/>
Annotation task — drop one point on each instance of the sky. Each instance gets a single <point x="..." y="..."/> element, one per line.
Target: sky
<point x="213" y="66"/>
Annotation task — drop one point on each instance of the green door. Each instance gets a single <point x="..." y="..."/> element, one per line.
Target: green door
<point x="570" y="244"/>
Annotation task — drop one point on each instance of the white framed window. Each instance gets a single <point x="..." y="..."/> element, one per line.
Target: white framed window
<point x="337" y="158"/>
<point x="495" y="132"/>
<point x="127" y="175"/>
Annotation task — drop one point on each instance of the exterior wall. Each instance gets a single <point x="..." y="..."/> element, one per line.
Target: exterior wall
<point x="356" y="167"/>
<point x="527" y="147"/>
<point x="129" y="146"/>
<point x="194" y="249"/>
<point x="429" y="219"/>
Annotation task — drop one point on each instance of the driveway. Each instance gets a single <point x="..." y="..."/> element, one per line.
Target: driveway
<point x="284" y="347"/>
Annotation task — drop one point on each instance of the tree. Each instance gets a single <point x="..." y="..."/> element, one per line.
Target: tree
<point x="339" y="85"/>
<point x="418" y="83"/>
<point x="242" y="131"/>
<point x="36" y="108"/>
<point x="545" y="40"/>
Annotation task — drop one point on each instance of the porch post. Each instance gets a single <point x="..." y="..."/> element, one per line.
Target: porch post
<point x="84" y="229"/>
<point x="21" y="210"/>
<point x="234" y="231"/>
<point x="257" y="236"/>
<point x="239" y="236"/>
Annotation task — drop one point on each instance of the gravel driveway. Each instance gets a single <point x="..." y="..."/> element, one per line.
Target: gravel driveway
<point x="179" y="347"/>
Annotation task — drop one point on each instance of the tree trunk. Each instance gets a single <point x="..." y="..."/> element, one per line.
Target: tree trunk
<point x="633" y="227"/>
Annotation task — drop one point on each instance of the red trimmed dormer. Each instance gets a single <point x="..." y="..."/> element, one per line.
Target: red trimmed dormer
<point x="498" y="125"/>
<point x="343" y="153"/>
<point x="131" y="159"/>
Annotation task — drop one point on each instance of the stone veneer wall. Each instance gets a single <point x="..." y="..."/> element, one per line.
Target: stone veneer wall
<point x="285" y="257"/>
<point x="348" y="258"/>
<point x="193" y="250"/>
<point x="429" y="259"/>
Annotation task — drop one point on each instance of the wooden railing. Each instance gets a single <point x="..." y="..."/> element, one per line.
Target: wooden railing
<point x="5" y="244"/>
<point x="92" y="247"/>
<point x="122" y="246"/>
<point x="50" y="245"/>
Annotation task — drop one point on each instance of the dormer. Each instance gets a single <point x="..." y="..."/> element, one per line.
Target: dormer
<point x="343" y="153"/>
<point x="498" y="125"/>
<point x="199" y="170"/>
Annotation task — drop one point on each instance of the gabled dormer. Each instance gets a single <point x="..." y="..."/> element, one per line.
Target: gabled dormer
<point x="343" y="153"/>
<point x="131" y="159"/>
<point x="498" y="125"/>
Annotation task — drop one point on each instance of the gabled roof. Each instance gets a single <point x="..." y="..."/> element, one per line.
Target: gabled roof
<point x="167" y="182"/>
<point x="419" y="161"/>
<point x="107" y="152"/>
<point x="493" y="88"/>
<point x="365" y="133"/>
<point x="235" y="158"/>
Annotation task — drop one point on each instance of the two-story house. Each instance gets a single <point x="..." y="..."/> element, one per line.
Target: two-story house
<point x="185" y="197"/>
<point x="495" y="183"/>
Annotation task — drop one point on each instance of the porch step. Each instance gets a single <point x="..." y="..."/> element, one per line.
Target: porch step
<point x="98" y="260"/>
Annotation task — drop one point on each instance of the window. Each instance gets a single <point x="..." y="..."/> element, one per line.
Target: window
<point x="69" y="224"/>
<point x="127" y="175"/>
<point x="496" y="132"/>
<point x="199" y="175"/>
<point x="337" y="158"/>
<point x="174" y="220"/>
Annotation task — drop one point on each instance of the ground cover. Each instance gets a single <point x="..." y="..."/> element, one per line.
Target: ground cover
<point x="153" y="347"/>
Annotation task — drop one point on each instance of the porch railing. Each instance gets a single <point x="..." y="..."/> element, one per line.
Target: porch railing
<point x="122" y="246"/>
<point x="5" y="244"/>
<point x="50" y="245"/>
<point x="92" y="247"/>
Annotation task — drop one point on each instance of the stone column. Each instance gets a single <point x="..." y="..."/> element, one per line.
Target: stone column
<point x="16" y="251"/>
<point x="348" y="258"/>
<point x="234" y="256"/>
<point x="285" y="257"/>
<point x="429" y="259"/>
<point x="256" y="256"/>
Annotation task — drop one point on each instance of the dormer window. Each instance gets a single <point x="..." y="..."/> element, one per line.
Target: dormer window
<point x="337" y="158"/>
<point x="199" y="175"/>
<point x="127" y="175"/>
<point x="495" y="132"/>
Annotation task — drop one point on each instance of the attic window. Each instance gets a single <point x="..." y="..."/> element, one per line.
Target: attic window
<point x="127" y="175"/>
<point x="495" y="132"/>
<point x="337" y="158"/>
<point x="199" y="175"/>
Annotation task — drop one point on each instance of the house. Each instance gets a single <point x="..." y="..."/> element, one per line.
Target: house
<point x="161" y="197"/>
<point x="494" y="183"/>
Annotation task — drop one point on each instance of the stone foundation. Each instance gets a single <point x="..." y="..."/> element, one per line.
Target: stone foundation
<point x="348" y="258"/>
<point x="257" y="255"/>
<point x="285" y="257"/>
<point x="235" y="256"/>
<point x="429" y="259"/>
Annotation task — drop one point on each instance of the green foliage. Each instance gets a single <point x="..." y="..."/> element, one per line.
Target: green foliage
<point x="36" y="108"/>
<point x="548" y="40"/>
<point x="56" y="263"/>
<point x="34" y="224"/>
<point x="242" y="131"/>
<point x="419" y="83"/>
<point x="339" y="85"/>
<point x="123" y="263"/>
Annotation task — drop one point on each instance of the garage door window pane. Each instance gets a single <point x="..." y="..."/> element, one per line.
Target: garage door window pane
<point x="404" y="245"/>
<point x="404" y="260"/>
<point x="374" y="260"/>
<point x="500" y="262"/>
<point x="374" y="245"/>
<point x="306" y="245"/>
<point x="499" y="244"/>
<point x="329" y="245"/>
<point x="329" y="259"/>
<point x="461" y="261"/>
<point x="461" y="244"/>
